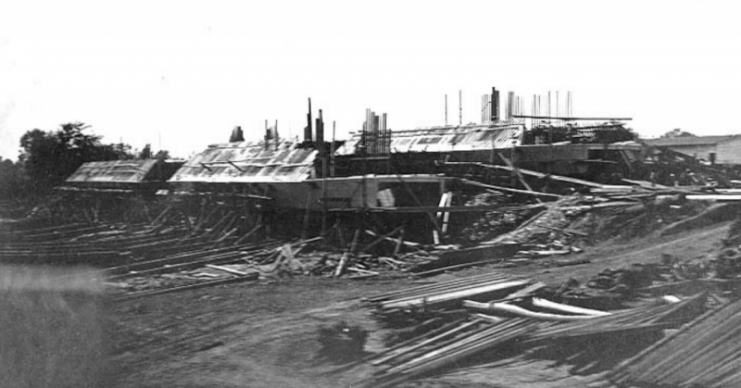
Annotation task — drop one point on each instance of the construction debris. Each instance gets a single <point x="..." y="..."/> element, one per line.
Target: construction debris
<point x="419" y="203"/>
<point x="517" y="310"/>
<point x="705" y="353"/>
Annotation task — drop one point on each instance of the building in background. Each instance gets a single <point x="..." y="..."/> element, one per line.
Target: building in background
<point x="713" y="149"/>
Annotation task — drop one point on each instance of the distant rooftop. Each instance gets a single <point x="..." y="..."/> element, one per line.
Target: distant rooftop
<point x="688" y="140"/>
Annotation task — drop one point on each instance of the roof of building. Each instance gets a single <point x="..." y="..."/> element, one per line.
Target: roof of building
<point x="113" y="171"/>
<point x="688" y="140"/>
<point x="248" y="162"/>
<point x="448" y="138"/>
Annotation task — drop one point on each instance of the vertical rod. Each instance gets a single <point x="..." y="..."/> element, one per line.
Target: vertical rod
<point x="369" y="122"/>
<point x="308" y="130"/>
<point x="386" y="139"/>
<point x="460" y="107"/>
<point x="324" y="193"/>
<point x="331" y="149"/>
<point x="446" y="110"/>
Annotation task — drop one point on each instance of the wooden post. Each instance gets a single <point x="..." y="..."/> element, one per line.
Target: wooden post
<point x="219" y="224"/>
<point x="399" y="243"/>
<point x="205" y="219"/>
<point x="446" y="215"/>
<point x="435" y="234"/>
<point x="324" y="191"/>
<point x="307" y="213"/>
<point x="331" y="150"/>
<point x="94" y="210"/>
<point x="228" y="226"/>
<point x="187" y="221"/>
<point x="146" y="213"/>
<point x="340" y="235"/>
<point x="346" y="256"/>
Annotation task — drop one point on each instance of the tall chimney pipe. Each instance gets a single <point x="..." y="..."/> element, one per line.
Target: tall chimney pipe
<point x="494" y="105"/>
<point x="308" y="130"/>
<point x="460" y="107"/>
<point x="319" y="131"/>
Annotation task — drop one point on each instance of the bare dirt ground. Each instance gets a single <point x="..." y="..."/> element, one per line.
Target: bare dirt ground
<point x="265" y="335"/>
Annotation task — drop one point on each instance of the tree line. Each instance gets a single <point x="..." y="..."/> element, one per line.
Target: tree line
<point x="47" y="158"/>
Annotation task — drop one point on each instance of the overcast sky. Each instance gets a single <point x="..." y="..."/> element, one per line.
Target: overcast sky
<point x="188" y="72"/>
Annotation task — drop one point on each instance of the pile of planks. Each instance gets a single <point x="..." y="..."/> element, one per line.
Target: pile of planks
<point x="460" y="341"/>
<point x="456" y="320"/>
<point x="141" y="260"/>
<point x="94" y="245"/>
<point x="401" y="307"/>
<point x="705" y="353"/>
<point x="443" y="348"/>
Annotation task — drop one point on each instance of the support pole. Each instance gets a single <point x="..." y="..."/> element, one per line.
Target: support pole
<point x="346" y="256"/>
<point x="399" y="243"/>
<point x="460" y="107"/>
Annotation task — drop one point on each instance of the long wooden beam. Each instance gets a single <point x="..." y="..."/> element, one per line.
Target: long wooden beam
<point x="501" y="188"/>
<point x="573" y="118"/>
<point x="531" y="173"/>
<point x="433" y="209"/>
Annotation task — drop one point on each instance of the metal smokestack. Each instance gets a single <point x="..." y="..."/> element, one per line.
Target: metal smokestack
<point x="308" y="129"/>
<point x="319" y="131"/>
<point x="494" y="105"/>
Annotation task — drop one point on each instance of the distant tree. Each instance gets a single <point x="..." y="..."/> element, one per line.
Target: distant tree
<point x="162" y="154"/>
<point x="146" y="152"/>
<point x="676" y="132"/>
<point x="237" y="135"/>
<point x="12" y="180"/>
<point x="48" y="158"/>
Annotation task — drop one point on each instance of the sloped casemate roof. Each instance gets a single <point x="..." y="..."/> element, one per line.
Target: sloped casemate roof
<point x="114" y="171"/>
<point x="246" y="162"/>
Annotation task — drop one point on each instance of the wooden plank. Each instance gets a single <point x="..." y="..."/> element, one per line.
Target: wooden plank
<point x="434" y="209"/>
<point x="227" y="269"/>
<point x="519" y="175"/>
<point x="446" y="215"/>
<point x="532" y="173"/>
<point x="461" y="256"/>
<point x="521" y="312"/>
<point x="379" y="238"/>
<point x="455" y="267"/>
<point x="511" y="190"/>
<point x="248" y="234"/>
<point x="547" y="304"/>
<point x="346" y="256"/>
<point x="395" y="354"/>
<point x="144" y="294"/>
<point x="399" y="243"/>
<point x="455" y="296"/>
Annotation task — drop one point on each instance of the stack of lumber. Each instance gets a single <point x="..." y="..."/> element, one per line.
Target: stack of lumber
<point x="447" y="293"/>
<point x="633" y="320"/>
<point x="395" y="308"/>
<point x="705" y="353"/>
<point x="443" y="349"/>
<point x="575" y="335"/>
<point x="204" y="268"/>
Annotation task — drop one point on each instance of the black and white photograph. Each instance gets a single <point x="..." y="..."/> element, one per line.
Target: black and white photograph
<point x="370" y="194"/>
